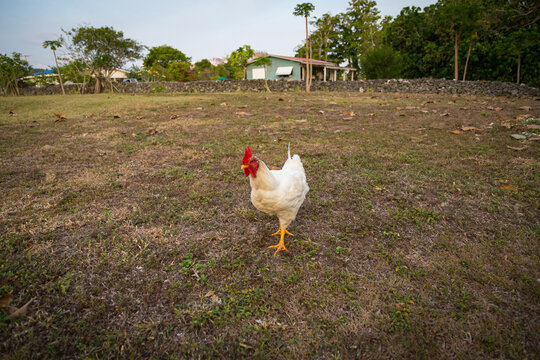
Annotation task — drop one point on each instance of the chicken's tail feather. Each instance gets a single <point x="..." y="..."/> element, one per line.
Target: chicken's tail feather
<point x="289" y="150"/>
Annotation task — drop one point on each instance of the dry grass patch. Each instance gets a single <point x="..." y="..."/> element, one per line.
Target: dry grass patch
<point x="130" y="225"/>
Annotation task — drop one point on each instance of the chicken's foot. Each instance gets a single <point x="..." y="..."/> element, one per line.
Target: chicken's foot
<point x="281" y="245"/>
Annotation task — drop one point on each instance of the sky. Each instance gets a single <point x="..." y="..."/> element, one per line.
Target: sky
<point x="201" y="29"/>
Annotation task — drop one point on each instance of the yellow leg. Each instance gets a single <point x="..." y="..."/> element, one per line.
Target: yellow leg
<point x="281" y="245"/>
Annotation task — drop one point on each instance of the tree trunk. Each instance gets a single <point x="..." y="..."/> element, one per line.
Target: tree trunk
<point x="467" y="62"/>
<point x="456" y="48"/>
<point x="518" y="69"/>
<point x="98" y="87"/>
<point x="59" y="75"/>
<point x="310" y="65"/>
<point x="308" y="72"/>
<point x="266" y="80"/>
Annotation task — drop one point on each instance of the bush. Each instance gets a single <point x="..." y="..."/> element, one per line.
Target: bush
<point x="381" y="62"/>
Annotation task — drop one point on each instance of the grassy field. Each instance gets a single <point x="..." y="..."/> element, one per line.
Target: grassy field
<point x="127" y="226"/>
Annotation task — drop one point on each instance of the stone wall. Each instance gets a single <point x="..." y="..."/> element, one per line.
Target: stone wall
<point x="433" y="86"/>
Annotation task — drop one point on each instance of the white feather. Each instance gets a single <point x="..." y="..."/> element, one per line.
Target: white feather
<point x="280" y="192"/>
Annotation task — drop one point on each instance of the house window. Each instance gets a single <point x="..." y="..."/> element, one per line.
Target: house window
<point x="284" y="70"/>
<point x="258" y="73"/>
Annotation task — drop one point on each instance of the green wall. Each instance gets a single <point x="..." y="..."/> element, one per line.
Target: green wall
<point x="271" y="70"/>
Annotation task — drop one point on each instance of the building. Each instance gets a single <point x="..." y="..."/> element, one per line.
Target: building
<point x="294" y="68"/>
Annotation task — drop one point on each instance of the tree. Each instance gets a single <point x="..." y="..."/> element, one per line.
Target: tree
<point x="305" y="10"/>
<point x="357" y="29"/>
<point x="164" y="55"/>
<point x="75" y="71"/>
<point x="239" y="59"/>
<point x="12" y="69"/>
<point x="179" y="71"/>
<point x="264" y="61"/>
<point x="54" y="44"/>
<point x="102" y="50"/>
<point x="381" y="62"/>
<point x="460" y="16"/>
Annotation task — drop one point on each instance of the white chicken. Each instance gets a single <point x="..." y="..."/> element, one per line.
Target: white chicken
<point x="277" y="192"/>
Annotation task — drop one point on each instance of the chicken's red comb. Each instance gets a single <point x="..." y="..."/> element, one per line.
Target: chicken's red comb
<point x="247" y="156"/>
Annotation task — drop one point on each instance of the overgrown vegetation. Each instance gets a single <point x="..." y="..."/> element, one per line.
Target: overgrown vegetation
<point x="126" y="226"/>
<point x="453" y="39"/>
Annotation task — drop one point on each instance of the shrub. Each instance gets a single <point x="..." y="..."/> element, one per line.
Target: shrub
<point x="381" y="62"/>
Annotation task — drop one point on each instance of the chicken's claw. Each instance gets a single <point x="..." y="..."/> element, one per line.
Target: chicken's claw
<point x="281" y="245"/>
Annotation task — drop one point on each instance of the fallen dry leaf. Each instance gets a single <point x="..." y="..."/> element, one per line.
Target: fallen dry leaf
<point x="60" y="117"/>
<point x="278" y="117"/>
<point x="371" y="114"/>
<point x="152" y="132"/>
<point x="11" y="113"/>
<point x="275" y="168"/>
<point x="445" y="114"/>
<point x="456" y="132"/>
<point x="140" y="117"/>
<point x="243" y="113"/>
<point x="411" y="107"/>
<point x="347" y="118"/>
<point x="213" y="297"/>
<point x="21" y="311"/>
<point x="525" y="108"/>
<point x="321" y="112"/>
<point x="5" y="300"/>
<point x="198" y="108"/>
<point x="509" y="187"/>
<point x="174" y="116"/>
<point x="223" y="104"/>
<point x="523" y="116"/>
<point x="533" y="127"/>
<point x="470" y="128"/>
<point x="301" y="121"/>
<point x="520" y="148"/>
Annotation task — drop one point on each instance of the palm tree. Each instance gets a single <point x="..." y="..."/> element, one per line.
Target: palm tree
<point x="54" y="44"/>
<point x="305" y="10"/>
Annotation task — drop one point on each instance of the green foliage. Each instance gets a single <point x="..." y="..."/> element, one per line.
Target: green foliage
<point x="75" y="71"/>
<point x="263" y="61"/>
<point x="12" y="69"/>
<point x="101" y="49"/>
<point x="164" y="56"/>
<point x="304" y="9"/>
<point x="53" y="44"/>
<point x="499" y="34"/>
<point x="237" y="61"/>
<point x="179" y="71"/>
<point x="359" y="28"/>
<point x="381" y="62"/>
<point x="204" y="70"/>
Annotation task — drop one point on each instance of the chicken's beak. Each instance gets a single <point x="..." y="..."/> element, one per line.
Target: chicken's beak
<point x="245" y="167"/>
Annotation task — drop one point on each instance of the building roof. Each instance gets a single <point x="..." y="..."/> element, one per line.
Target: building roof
<point x="44" y="72"/>
<point x="327" y="64"/>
